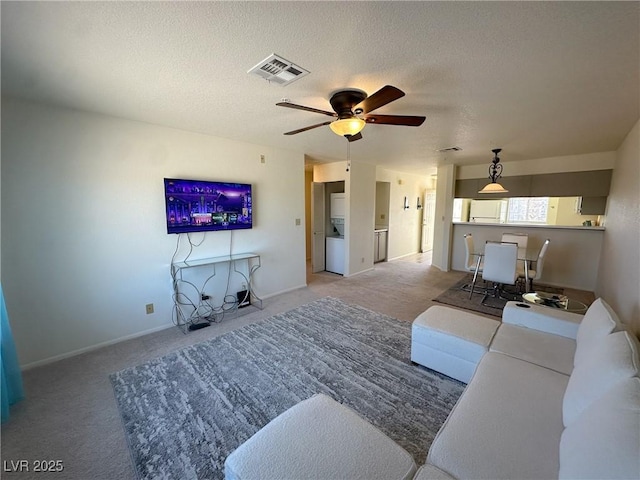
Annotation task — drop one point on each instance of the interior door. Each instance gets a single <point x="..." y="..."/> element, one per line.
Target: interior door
<point x="317" y="227"/>
<point x="428" y="218"/>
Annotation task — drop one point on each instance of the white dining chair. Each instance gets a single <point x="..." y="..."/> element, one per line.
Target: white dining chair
<point x="536" y="273"/>
<point x="473" y="262"/>
<point x="522" y="239"/>
<point x="500" y="262"/>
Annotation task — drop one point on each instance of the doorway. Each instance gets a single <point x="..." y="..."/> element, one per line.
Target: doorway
<point x="319" y="225"/>
<point x="428" y="221"/>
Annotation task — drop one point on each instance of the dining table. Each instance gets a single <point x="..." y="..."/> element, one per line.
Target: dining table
<point x="528" y="255"/>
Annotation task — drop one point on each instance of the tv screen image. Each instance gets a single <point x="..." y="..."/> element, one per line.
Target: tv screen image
<point x="201" y="206"/>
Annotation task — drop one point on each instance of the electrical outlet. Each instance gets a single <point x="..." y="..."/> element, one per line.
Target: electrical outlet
<point x="149" y="308"/>
<point x="297" y="222"/>
<point x="262" y="159"/>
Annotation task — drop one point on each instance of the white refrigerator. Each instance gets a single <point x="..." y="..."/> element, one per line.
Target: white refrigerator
<point x="488" y="211"/>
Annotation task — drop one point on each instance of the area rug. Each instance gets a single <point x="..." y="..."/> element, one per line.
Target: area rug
<point x="185" y="412"/>
<point x="458" y="296"/>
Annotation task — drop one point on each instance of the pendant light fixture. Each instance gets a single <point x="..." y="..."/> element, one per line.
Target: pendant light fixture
<point x="495" y="172"/>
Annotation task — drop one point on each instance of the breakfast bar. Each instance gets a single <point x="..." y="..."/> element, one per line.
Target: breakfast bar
<point x="573" y="255"/>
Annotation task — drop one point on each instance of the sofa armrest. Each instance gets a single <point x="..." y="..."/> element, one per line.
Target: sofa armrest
<point x="544" y="319"/>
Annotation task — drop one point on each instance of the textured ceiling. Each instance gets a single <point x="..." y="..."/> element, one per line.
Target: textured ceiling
<point x="539" y="79"/>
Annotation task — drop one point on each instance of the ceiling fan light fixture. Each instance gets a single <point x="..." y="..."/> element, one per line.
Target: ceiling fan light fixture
<point x="347" y="126"/>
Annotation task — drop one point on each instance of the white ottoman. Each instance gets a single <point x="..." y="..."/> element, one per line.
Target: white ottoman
<point x="451" y="341"/>
<point x="319" y="439"/>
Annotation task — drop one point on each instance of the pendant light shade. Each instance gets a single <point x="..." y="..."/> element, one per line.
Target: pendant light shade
<point x="495" y="172"/>
<point x="493" y="188"/>
<point x="347" y="126"/>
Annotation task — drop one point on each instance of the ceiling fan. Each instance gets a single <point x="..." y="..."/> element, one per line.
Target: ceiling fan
<point x="353" y="108"/>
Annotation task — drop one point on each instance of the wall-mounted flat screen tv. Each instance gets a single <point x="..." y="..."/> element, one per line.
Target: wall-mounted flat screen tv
<point x="201" y="206"/>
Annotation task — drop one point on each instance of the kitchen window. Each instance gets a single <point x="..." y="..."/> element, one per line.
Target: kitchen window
<point x="528" y="210"/>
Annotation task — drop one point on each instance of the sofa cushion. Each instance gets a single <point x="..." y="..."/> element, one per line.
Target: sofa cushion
<point x="604" y="441"/>
<point x="507" y="424"/>
<point x="613" y="360"/>
<point x="599" y="321"/>
<point x="544" y="319"/>
<point x="544" y="349"/>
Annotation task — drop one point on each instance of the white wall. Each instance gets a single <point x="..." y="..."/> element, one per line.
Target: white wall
<point x="308" y="180"/>
<point x="383" y="193"/>
<point x="404" y="225"/>
<point x="84" y="242"/>
<point x="619" y="274"/>
<point x="330" y="172"/>
<point x="442" y="228"/>
<point x="361" y="193"/>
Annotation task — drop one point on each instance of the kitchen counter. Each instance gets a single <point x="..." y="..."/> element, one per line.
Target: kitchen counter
<point x="521" y="226"/>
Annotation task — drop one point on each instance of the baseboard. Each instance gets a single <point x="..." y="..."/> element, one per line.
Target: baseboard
<point x="402" y="256"/>
<point x="275" y="294"/>
<point x="358" y="273"/>
<point x="90" y="348"/>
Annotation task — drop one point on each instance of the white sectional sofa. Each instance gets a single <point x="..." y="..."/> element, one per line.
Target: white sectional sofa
<point x="549" y="395"/>
<point x="555" y="396"/>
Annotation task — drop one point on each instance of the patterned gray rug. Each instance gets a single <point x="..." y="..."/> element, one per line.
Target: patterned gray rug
<point x="185" y="412"/>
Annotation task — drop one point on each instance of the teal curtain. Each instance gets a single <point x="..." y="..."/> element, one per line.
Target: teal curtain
<point x="11" y="377"/>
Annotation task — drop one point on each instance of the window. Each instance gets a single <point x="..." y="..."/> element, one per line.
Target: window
<point x="528" y="210"/>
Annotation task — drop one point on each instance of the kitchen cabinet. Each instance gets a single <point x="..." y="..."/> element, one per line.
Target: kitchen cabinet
<point x="379" y="246"/>
<point x="593" y="183"/>
<point x="592" y="205"/>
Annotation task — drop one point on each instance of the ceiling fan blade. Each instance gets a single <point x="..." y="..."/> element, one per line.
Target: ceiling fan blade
<point x="308" y="109"/>
<point x="386" y="94"/>
<point x="353" y="138"/>
<point x="405" y="120"/>
<point x="300" y="130"/>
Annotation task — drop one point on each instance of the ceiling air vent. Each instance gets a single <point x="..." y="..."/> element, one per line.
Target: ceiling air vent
<point x="449" y="149"/>
<point x="278" y="70"/>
